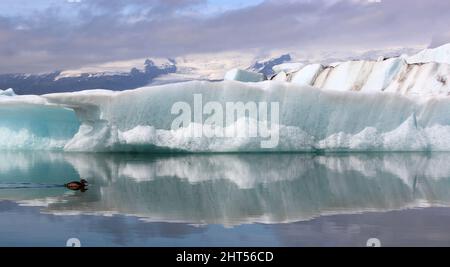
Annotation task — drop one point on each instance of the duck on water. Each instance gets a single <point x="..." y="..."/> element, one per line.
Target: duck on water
<point x="77" y="186"/>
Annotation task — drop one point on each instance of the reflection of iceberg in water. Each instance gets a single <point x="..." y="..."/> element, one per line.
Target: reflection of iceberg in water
<point x="231" y="189"/>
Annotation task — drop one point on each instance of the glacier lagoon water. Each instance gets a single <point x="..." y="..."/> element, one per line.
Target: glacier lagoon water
<point x="225" y="199"/>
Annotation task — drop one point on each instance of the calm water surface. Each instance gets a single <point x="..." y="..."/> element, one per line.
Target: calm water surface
<point x="225" y="200"/>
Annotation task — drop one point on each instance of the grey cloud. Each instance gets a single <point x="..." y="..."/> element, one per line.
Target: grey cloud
<point x="104" y="32"/>
<point x="149" y="8"/>
<point x="439" y="39"/>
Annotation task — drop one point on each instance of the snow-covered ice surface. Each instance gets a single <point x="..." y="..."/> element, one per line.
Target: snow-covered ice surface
<point x="243" y="76"/>
<point x="439" y="54"/>
<point x="287" y="67"/>
<point x="425" y="73"/>
<point x="307" y="75"/>
<point x="383" y="105"/>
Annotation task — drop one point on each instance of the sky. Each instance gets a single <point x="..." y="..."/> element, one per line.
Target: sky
<point x="46" y="35"/>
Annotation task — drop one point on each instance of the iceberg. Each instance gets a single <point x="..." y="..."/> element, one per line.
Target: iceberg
<point x="32" y="123"/>
<point x="243" y="76"/>
<point x="7" y="92"/>
<point x="287" y="67"/>
<point x="439" y="54"/>
<point x="390" y="75"/>
<point x="307" y="75"/>
<point x="423" y="74"/>
<point x="140" y="120"/>
<point x="281" y="76"/>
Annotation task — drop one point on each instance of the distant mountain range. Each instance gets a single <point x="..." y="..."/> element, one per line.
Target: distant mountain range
<point x="152" y="72"/>
<point x="55" y="82"/>
<point x="265" y="67"/>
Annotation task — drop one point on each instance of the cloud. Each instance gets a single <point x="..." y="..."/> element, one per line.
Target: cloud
<point x="440" y="38"/>
<point x="108" y="30"/>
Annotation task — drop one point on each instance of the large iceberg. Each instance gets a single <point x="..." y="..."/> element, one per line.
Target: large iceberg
<point x="140" y="120"/>
<point x="439" y="54"/>
<point x="425" y="73"/>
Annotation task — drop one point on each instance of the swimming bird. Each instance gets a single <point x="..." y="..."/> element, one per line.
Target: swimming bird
<point x="77" y="186"/>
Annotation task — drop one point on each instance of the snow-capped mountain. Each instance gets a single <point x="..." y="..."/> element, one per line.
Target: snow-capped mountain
<point x="265" y="66"/>
<point x="103" y="76"/>
<point x="209" y="66"/>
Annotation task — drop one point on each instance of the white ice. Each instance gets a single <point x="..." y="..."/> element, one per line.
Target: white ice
<point x="424" y="74"/>
<point x="243" y="76"/>
<point x="439" y="54"/>
<point x="310" y="119"/>
<point x="7" y="92"/>
<point x="287" y="67"/>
